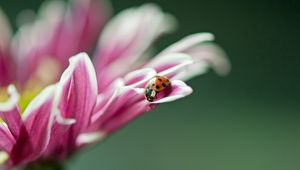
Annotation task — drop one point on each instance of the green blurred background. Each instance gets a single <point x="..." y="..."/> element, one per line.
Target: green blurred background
<point x="249" y="120"/>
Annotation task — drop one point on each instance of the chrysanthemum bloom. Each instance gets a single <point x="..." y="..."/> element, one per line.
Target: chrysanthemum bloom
<point x="43" y="122"/>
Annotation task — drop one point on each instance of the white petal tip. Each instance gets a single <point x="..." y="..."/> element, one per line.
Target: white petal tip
<point x="180" y="90"/>
<point x="64" y="121"/>
<point x="13" y="100"/>
<point x="88" y="138"/>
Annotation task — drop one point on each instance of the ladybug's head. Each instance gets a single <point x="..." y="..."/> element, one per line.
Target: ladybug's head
<point x="150" y="94"/>
<point x="149" y="98"/>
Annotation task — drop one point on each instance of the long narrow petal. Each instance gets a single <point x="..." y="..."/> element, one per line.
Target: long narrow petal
<point x="13" y="120"/>
<point x="204" y="53"/>
<point x="212" y="55"/>
<point x="170" y="64"/>
<point x="34" y="42"/>
<point x="7" y="140"/>
<point x="30" y="135"/>
<point x="9" y="111"/>
<point x="6" y="69"/>
<point x="127" y="115"/>
<point x="6" y="62"/>
<point x="77" y="95"/>
<point x="13" y="100"/>
<point x="88" y="16"/>
<point x="118" y="111"/>
<point x="188" y="42"/>
<point x="179" y="90"/>
<point x="110" y="115"/>
<point x="39" y="119"/>
<point x="5" y="30"/>
<point x="132" y="104"/>
<point x="126" y="39"/>
<point x="139" y="77"/>
<point x="59" y="32"/>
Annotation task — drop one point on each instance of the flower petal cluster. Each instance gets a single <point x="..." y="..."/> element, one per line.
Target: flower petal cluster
<point x="95" y="94"/>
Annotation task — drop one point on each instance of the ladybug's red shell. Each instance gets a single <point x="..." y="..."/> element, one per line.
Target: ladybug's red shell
<point x="159" y="83"/>
<point x="156" y="85"/>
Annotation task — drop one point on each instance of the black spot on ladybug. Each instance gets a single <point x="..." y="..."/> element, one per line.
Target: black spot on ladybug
<point x="164" y="85"/>
<point x="159" y="79"/>
<point x="157" y="86"/>
<point x="153" y="85"/>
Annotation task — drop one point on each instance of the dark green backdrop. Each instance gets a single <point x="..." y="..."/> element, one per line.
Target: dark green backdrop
<point x="247" y="121"/>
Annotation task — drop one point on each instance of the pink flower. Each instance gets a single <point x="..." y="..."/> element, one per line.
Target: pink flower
<point x="90" y="101"/>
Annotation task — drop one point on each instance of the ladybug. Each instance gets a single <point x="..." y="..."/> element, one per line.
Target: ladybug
<point x="154" y="86"/>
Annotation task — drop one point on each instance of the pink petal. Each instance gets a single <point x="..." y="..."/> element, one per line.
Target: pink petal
<point x="76" y="96"/>
<point x="203" y="53"/>
<point x="126" y="115"/>
<point x="13" y="100"/>
<point x="5" y="30"/>
<point x="89" y="17"/>
<point x="34" y="42"/>
<point x="139" y="77"/>
<point x="60" y="32"/>
<point x="188" y="42"/>
<point x="13" y="120"/>
<point x="119" y="111"/>
<point x="22" y="148"/>
<point x="126" y="38"/>
<point x="6" y="62"/>
<point x="6" y="69"/>
<point x="170" y="64"/>
<point x="32" y="134"/>
<point x="7" y="140"/>
<point x="212" y="54"/>
<point x="88" y="138"/>
<point x="179" y="90"/>
<point x="114" y="111"/>
<point x="39" y="119"/>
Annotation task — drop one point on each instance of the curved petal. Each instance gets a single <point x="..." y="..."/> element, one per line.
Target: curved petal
<point x="188" y="42"/>
<point x="6" y="63"/>
<point x="13" y="100"/>
<point x="35" y="129"/>
<point x="213" y="55"/>
<point x="33" y="42"/>
<point x="5" y="30"/>
<point x="6" y="69"/>
<point x="30" y="135"/>
<point x="13" y="121"/>
<point x="126" y="115"/>
<point x="38" y="119"/>
<point x="88" y="138"/>
<point x="88" y="17"/>
<point x="170" y="64"/>
<point x="7" y="140"/>
<point x="139" y="77"/>
<point x="76" y="97"/>
<point x="179" y="90"/>
<point x="204" y="54"/>
<point x="126" y="38"/>
<point x="59" y="32"/>
<point x="119" y="111"/>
